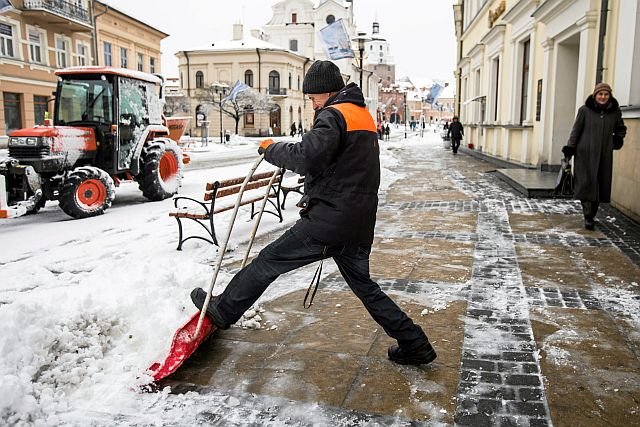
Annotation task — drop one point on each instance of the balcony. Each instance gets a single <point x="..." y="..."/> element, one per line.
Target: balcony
<point x="277" y="91"/>
<point x="59" y="12"/>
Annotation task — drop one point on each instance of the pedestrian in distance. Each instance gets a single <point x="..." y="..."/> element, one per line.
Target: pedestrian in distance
<point x="339" y="157"/>
<point x="597" y="131"/>
<point x="300" y="128"/>
<point x="387" y="131"/>
<point x="455" y="133"/>
<point x="293" y="129"/>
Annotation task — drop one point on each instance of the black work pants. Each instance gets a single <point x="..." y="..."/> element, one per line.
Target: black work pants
<point x="589" y="208"/>
<point x="293" y="250"/>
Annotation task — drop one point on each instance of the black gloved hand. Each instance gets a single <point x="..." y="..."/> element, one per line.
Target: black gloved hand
<point x="618" y="142"/>
<point x="568" y="151"/>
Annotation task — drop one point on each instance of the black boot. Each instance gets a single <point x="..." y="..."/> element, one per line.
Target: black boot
<point x="198" y="295"/>
<point x="589" y="224"/>
<point x="419" y="356"/>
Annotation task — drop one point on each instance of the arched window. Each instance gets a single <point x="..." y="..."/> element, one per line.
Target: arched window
<point x="291" y="114"/>
<point x="199" y="80"/>
<point x="289" y="80"/>
<point x="331" y="19"/>
<point x="274" y="82"/>
<point x="248" y="78"/>
<point x="298" y="81"/>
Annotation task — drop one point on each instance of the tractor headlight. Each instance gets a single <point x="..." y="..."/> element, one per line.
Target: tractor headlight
<point x="46" y="141"/>
<point x="32" y="141"/>
<point x="13" y="142"/>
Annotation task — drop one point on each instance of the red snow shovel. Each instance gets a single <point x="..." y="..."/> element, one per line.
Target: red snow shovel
<point x="189" y="337"/>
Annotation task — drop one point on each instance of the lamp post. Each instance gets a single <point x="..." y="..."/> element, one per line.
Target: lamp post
<point x="405" y="114"/>
<point x="221" y="89"/>
<point x="361" y="40"/>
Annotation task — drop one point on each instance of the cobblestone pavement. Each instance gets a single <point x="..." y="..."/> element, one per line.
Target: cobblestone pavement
<point x="535" y="320"/>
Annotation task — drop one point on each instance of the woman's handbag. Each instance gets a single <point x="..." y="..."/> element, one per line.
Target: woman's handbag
<point x="564" y="182"/>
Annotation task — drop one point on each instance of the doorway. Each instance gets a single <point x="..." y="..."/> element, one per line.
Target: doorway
<point x="275" y="121"/>
<point x="564" y="97"/>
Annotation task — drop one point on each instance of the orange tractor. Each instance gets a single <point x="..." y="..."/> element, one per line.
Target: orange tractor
<point x="107" y="128"/>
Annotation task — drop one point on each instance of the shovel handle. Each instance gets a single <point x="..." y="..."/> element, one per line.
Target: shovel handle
<point x="259" y="217"/>
<point x="223" y="248"/>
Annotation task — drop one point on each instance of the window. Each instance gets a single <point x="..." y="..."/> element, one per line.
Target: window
<point x="84" y="100"/>
<point x="290" y="81"/>
<point x="524" y="86"/>
<point x="40" y="107"/>
<point x="62" y="52"/>
<point x="82" y="54"/>
<point x="274" y="82"/>
<point x="298" y="81"/>
<point x="249" y="118"/>
<point x="36" y="39"/>
<point x="293" y="45"/>
<point x="495" y="105"/>
<point x="152" y="64"/>
<point x="124" y="61"/>
<point x="248" y="78"/>
<point x="6" y="40"/>
<point x="140" y="62"/>
<point x="539" y="101"/>
<point x="12" y="117"/>
<point x="294" y="18"/>
<point x="331" y="19"/>
<point x="381" y="47"/>
<point x="370" y="47"/>
<point x="199" y="80"/>
<point x="107" y="54"/>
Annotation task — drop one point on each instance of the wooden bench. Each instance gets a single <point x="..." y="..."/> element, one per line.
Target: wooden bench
<point x="203" y="212"/>
<point x="289" y="185"/>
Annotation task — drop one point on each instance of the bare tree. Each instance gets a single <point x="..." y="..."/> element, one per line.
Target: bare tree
<point x="247" y="101"/>
<point x="175" y="105"/>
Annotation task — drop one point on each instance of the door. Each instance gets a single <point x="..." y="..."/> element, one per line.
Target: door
<point x="133" y="119"/>
<point x="275" y="122"/>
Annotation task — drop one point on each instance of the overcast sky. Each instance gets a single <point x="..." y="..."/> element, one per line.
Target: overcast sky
<point x="421" y="33"/>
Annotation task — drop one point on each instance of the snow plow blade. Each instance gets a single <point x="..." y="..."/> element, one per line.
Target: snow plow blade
<point x="182" y="346"/>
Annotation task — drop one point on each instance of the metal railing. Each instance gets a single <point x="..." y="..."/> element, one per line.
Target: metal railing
<point x="61" y="7"/>
<point x="276" y="91"/>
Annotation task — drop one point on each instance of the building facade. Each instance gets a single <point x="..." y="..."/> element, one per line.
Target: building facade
<point x="526" y="66"/>
<point x="269" y="69"/>
<point x="38" y="37"/>
<point x="295" y="25"/>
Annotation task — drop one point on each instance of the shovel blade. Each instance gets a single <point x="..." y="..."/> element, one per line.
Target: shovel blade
<point x="182" y="346"/>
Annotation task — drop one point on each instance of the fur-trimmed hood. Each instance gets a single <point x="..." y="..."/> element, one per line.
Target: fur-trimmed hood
<point x="611" y="106"/>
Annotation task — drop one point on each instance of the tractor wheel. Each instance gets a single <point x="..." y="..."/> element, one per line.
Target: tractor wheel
<point x="87" y="191"/>
<point x="161" y="174"/>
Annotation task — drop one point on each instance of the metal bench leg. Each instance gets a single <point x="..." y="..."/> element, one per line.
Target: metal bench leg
<point x="179" y="233"/>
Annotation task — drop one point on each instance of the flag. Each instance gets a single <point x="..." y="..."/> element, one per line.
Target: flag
<point x="235" y="90"/>
<point x="434" y="93"/>
<point x="5" y="5"/>
<point x="336" y="41"/>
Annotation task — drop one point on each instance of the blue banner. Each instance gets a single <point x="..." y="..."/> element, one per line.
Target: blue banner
<point x="235" y="90"/>
<point x="336" y="41"/>
<point x="434" y="93"/>
<point x="5" y="5"/>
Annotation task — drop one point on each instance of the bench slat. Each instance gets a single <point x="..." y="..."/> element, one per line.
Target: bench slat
<point x="222" y="192"/>
<point x="244" y="202"/>
<point x="236" y="181"/>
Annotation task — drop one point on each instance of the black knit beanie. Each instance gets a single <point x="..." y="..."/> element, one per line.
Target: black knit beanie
<point x="322" y="77"/>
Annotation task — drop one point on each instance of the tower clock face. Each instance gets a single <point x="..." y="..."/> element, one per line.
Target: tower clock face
<point x="331" y="19"/>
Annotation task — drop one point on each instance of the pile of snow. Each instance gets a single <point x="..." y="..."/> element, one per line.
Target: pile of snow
<point x="88" y="305"/>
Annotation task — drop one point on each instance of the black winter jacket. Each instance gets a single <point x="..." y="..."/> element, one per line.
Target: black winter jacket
<point x="455" y="130"/>
<point x="340" y="159"/>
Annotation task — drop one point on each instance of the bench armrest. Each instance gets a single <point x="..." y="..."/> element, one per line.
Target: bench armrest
<point x="192" y="201"/>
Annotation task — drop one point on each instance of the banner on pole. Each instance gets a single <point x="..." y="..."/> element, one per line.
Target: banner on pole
<point x="5" y="5"/>
<point x="434" y="93"/>
<point x="235" y="90"/>
<point x="336" y="41"/>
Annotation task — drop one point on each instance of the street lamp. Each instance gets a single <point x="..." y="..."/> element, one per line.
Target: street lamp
<point x="405" y="114"/>
<point x="220" y="88"/>
<point x="361" y="39"/>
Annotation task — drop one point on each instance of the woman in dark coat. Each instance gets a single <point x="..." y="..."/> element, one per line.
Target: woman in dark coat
<point x="597" y="131"/>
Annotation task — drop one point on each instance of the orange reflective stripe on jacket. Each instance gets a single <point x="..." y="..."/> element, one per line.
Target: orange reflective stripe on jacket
<point x="357" y="118"/>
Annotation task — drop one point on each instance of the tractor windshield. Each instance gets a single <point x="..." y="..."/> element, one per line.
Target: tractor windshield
<point x="84" y="100"/>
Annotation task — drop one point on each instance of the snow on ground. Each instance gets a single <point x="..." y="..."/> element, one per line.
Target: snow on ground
<point x="86" y="306"/>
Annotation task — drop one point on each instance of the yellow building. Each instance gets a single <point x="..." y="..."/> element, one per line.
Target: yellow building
<point x="38" y="36"/>
<point x="267" y="68"/>
<point x="526" y="66"/>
